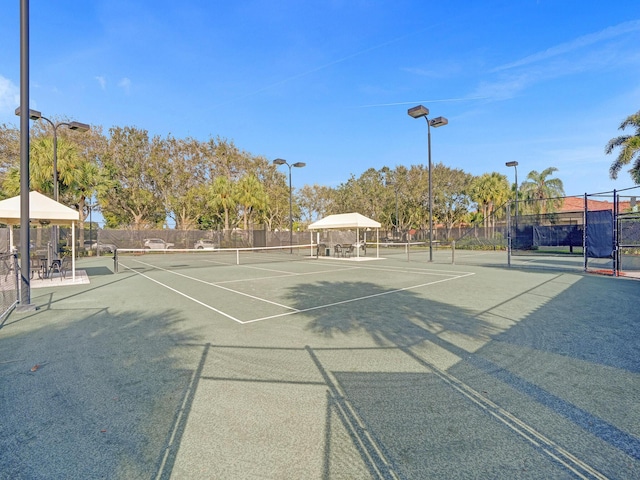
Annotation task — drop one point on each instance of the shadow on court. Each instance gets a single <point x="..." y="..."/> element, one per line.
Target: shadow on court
<point x="567" y="371"/>
<point x="86" y="393"/>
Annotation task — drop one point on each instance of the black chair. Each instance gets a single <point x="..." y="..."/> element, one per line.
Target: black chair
<point x="337" y="250"/>
<point x="60" y="266"/>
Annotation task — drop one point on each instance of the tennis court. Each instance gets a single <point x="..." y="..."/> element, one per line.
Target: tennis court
<point x="203" y="366"/>
<point x="258" y="289"/>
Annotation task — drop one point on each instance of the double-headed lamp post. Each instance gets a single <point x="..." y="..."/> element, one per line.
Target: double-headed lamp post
<point x="514" y="164"/>
<point x="417" y="112"/>
<point x="280" y="161"/>
<point x="80" y="127"/>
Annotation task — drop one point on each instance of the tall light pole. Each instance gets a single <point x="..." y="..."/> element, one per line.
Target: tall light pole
<point x="80" y="127"/>
<point x="514" y="164"/>
<point x="417" y="112"/>
<point x="280" y="161"/>
<point x="25" y="282"/>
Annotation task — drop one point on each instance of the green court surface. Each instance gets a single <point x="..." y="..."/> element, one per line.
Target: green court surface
<point x="184" y="368"/>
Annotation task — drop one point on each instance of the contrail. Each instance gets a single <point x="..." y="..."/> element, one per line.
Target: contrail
<point x="324" y="66"/>
<point x="417" y="102"/>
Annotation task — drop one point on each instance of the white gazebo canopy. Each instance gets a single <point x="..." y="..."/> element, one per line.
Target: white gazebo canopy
<point x="344" y="221"/>
<point x="41" y="208"/>
<point x="347" y="221"/>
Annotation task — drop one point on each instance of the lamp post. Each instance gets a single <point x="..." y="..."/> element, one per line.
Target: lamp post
<point x="417" y="112"/>
<point x="280" y="161"/>
<point x="514" y="164"/>
<point x="80" y="127"/>
<point x="25" y="282"/>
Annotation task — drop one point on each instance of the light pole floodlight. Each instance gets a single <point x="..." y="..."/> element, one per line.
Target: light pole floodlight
<point x="512" y="164"/>
<point x="299" y="164"/>
<point x="279" y="161"/>
<point x="438" y="122"/>
<point x="80" y="127"/>
<point x="418" y="111"/>
<point x="33" y="114"/>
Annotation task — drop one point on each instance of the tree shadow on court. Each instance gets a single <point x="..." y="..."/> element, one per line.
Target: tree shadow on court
<point x="418" y="425"/>
<point x="525" y="366"/>
<point x="89" y="393"/>
<point x="390" y="317"/>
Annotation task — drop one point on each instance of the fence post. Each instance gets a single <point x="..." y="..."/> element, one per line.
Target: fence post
<point x="509" y="234"/>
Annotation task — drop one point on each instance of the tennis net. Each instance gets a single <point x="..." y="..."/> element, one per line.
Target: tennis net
<point x="173" y="258"/>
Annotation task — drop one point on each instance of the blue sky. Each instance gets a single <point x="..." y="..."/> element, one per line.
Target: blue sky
<point x="546" y="82"/>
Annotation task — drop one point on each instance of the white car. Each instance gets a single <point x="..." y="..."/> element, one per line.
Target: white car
<point x="156" y="244"/>
<point x="104" y="247"/>
<point x="205" y="244"/>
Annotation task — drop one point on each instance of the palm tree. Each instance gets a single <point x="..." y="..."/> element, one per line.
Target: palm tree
<point x="489" y="191"/>
<point x="630" y="149"/>
<point x="221" y="197"/>
<point x="541" y="193"/>
<point x="251" y="196"/>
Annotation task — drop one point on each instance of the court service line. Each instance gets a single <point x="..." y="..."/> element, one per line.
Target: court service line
<point x="365" y="297"/>
<point x="287" y="274"/>
<point x="185" y="295"/>
<point x="253" y="297"/>
<point x="416" y="271"/>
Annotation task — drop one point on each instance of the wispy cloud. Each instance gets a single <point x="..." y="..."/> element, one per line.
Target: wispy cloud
<point x="576" y="44"/>
<point x="586" y="53"/>
<point x="102" y="80"/>
<point x="9" y="94"/>
<point x="125" y="84"/>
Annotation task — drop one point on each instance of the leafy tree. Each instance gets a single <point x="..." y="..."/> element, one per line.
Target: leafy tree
<point x="629" y="149"/>
<point x="541" y="193"/>
<point x="182" y="179"/>
<point x="315" y="202"/>
<point x="362" y="195"/>
<point x="132" y="195"/>
<point x="9" y="152"/>
<point x="276" y="214"/>
<point x="450" y="198"/>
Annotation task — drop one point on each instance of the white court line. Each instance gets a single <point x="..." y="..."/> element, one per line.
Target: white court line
<point x="291" y="309"/>
<point x="253" y="297"/>
<point x="414" y="270"/>
<point x="365" y="297"/>
<point x="185" y="295"/>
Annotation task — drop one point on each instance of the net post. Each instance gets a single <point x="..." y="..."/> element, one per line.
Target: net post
<point x="237" y="256"/>
<point x="453" y="252"/>
<point x="115" y="260"/>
